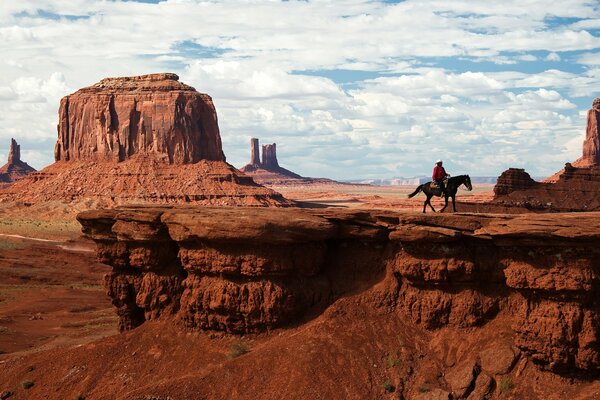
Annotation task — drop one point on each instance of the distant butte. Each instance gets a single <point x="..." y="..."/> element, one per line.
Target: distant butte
<point x="140" y="139"/>
<point x="574" y="188"/>
<point x="15" y="168"/>
<point x="269" y="172"/>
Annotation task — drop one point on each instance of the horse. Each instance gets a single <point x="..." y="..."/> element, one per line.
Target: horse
<point x="451" y="189"/>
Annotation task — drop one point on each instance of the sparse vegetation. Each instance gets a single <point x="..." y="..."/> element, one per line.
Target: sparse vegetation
<point x="393" y="360"/>
<point x="505" y="385"/>
<point x="237" y="349"/>
<point x="388" y="387"/>
<point x="423" y="389"/>
<point x="11" y="245"/>
<point x="3" y="329"/>
<point x="6" y="394"/>
<point x="80" y="397"/>
<point x="27" y="384"/>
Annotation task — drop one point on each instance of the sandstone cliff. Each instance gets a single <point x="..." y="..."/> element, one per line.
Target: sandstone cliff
<point x="591" y="145"/>
<point x="118" y="118"/>
<point x="15" y="168"/>
<point x="574" y="188"/>
<point x="252" y="270"/>
<point x="143" y="139"/>
<point x="511" y="180"/>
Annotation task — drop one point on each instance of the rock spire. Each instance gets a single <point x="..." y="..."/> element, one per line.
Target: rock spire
<point x="591" y="145"/>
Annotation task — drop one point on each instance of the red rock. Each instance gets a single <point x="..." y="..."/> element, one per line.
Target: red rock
<point x="14" y="169"/>
<point x="483" y="387"/>
<point x="269" y="172"/>
<point x="498" y="359"/>
<point x="144" y="139"/>
<point x="591" y="145"/>
<point x="574" y="188"/>
<point x="118" y="118"/>
<point x="254" y="156"/>
<point x="254" y="269"/>
<point x="511" y="180"/>
<point x="269" y="156"/>
<point x="461" y="378"/>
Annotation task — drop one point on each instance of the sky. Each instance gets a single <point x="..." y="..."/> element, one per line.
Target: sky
<point x="347" y="89"/>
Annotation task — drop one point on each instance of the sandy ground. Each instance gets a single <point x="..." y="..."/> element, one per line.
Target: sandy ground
<point x="50" y="291"/>
<point x="377" y="197"/>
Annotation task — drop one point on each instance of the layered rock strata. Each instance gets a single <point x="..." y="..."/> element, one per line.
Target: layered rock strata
<point x="591" y="144"/>
<point x="141" y="139"/>
<point x="15" y="168"/>
<point x="117" y="118"/>
<point x="511" y="180"/>
<point x="268" y="171"/>
<point x="574" y="188"/>
<point x="250" y="270"/>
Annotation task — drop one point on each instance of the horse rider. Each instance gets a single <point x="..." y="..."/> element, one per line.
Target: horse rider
<point x="439" y="175"/>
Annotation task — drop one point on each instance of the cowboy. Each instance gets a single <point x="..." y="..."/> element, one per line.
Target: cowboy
<point x="439" y="174"/>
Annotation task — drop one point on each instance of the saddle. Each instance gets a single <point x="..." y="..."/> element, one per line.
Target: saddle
<point x="436" y="188"/>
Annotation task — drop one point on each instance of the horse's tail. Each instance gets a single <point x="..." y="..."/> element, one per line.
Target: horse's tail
<point x="417" y="190"/>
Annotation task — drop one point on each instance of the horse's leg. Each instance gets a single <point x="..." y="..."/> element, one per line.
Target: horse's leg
<point x="454" y="203"/>
<point x="429" y="202"/>
<point x="425" y="204"/>
<point x="446" y="204"/>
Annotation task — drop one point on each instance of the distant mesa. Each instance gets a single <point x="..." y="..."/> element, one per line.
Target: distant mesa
<point x="574" y="188"/>
<point x="268" y="172"/>
<point x="140" y="139"/>
<point x="15" y="168"/>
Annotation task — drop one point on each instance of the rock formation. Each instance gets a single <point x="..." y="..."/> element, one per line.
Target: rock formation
<point x="250" y="270"/>
<point x="119" y="118"/>
<point x="268" y="171"/>
<point x="15" y="168"/>
<point x="269" y="157"/>
<point x="574" y="188"/>
<point x="511" y="180"/>
<point x="591" y="145"/>
<point x="148" y="139"/>
<point x="254" y="154"/>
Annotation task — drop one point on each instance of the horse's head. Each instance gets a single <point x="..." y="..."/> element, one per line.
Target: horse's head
<point x="467" y="182"/>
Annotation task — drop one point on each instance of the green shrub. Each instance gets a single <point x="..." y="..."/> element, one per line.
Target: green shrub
<point x="389" y="387"/>
<point x="27" y="384"/>
<point x="423" y="389"/>
<point x="505" y="385"/>
<point x="237" y="349"/>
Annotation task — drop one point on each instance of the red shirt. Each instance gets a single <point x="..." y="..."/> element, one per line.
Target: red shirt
<point x="439" y="173"/>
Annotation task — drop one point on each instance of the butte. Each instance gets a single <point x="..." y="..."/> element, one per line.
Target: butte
<point x="140" y="139"/>
<point x="15" y="168"/>
<point x="268" y="171"/>
<point x="574" y="188"/>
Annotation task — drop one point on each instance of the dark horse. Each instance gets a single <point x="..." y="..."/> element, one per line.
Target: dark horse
<point x="451" y="189"/>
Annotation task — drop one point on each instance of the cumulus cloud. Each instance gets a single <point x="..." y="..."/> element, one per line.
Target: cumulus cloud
<point x="272" y="69"/>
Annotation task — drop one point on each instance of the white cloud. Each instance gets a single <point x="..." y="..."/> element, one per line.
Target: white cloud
<point x="250" y="59"/>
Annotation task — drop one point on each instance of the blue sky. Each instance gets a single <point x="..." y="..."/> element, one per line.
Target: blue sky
<point x="347" y="89"/>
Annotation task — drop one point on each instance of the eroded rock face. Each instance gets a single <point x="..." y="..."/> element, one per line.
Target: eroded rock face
<point x="267" y="171"/>
<point x="142" y="139"/>
<point x="269" y="156"/>
<point x="511" y="180"/>
<point x="591" y="145"/>
<point x="250" y="270"/>
<point x="14" y="169"/>
<point x="117" y="118"/>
